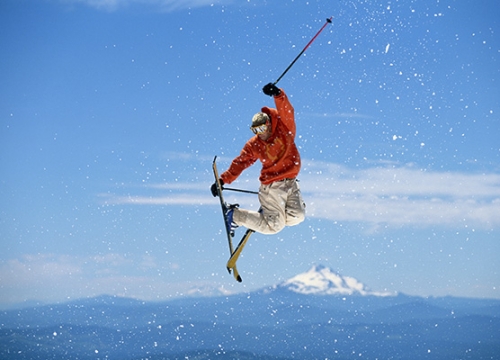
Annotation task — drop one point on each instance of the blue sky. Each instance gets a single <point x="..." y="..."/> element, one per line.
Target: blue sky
<point x="112" y="111"/>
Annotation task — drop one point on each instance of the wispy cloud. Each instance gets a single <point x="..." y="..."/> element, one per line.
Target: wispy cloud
<point x="163" y="5"/>
<point x="57" y="278"/>
<point x="177" y="199"/>
<point x="401" y="195"/>
<point x="383" y="195"/>
<point x="328" y="115"/>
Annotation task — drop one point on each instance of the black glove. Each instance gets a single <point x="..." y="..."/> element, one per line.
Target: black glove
<point x="271" y="90"/>
<point x="213" y="189"/>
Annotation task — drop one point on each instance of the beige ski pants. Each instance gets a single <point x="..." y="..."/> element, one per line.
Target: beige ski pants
<point x="282" y="205"/>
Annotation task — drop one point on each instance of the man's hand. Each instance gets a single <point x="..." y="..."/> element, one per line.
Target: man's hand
<point x="271" y="90"/>
<point x="213" y="189"/>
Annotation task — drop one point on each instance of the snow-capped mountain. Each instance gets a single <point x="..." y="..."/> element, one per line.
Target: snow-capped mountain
<point x="320" y="280"/>
<point x="271" y="324"/>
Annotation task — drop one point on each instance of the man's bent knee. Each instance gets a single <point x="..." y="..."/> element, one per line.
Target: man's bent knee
<point x="295" y="216"/>
<point x="275" y="223"/>
<point x="292" y="220"/>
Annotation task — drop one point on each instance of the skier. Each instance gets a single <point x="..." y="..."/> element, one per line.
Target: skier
<point x="274" y="145"/>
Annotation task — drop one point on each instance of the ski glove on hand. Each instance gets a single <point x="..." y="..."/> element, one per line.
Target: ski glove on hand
<point x="271" y="90"/>
<point x="213" y="189"/>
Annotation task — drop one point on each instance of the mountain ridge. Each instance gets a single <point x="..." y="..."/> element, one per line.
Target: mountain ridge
<point x="317" y="314"/>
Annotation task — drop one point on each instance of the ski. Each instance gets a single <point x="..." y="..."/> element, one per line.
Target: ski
<point x="226" y="224"/>
<point x="234" y="253"/>
<point x="231" y="263"/>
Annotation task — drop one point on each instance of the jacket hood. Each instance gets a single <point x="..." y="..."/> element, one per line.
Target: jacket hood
<point x="273" y="115"/>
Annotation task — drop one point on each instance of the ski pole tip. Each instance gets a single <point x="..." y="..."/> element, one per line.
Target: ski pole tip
<point x="329" y="20"/>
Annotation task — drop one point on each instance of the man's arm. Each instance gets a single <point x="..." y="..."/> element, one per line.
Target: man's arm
<point x="240" y="163"/>
<point x="283" y="105"/>
<point x="286" y="111"/>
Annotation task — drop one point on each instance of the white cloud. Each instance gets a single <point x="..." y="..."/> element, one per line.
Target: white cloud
<point x="353" y="115"/>
<point x="177" y="199"/>
<point x="164" y="5"/>
<point x="401" y="195"/>
<point x="57" y="278"/>
<point x="384" y="195"/>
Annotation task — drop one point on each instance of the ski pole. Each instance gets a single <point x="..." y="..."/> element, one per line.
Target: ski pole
<point x="242" y="191"/>
<point x="328" y="21"/>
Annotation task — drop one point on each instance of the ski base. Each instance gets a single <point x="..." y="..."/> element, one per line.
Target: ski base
<point x="232" y="261"/>
<point x="231" y="264"/>
<point x="235" y="254"/>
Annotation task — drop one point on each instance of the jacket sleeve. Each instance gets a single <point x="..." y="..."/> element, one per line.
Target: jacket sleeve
<point x="285" y="111"/>
<point x="240" y="163"/>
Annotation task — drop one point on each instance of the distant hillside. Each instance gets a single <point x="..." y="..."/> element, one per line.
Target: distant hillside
<point x="315" y="315"/>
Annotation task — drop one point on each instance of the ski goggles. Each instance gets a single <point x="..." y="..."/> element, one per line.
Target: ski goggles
<point x="259" y="129"/>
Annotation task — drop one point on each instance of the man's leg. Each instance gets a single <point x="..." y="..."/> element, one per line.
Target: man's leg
<point x="295" y="206"/>
<point x="272" y="219"/>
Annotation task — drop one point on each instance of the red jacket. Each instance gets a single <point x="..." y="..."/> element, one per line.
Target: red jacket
<point x="278" y="154"/>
